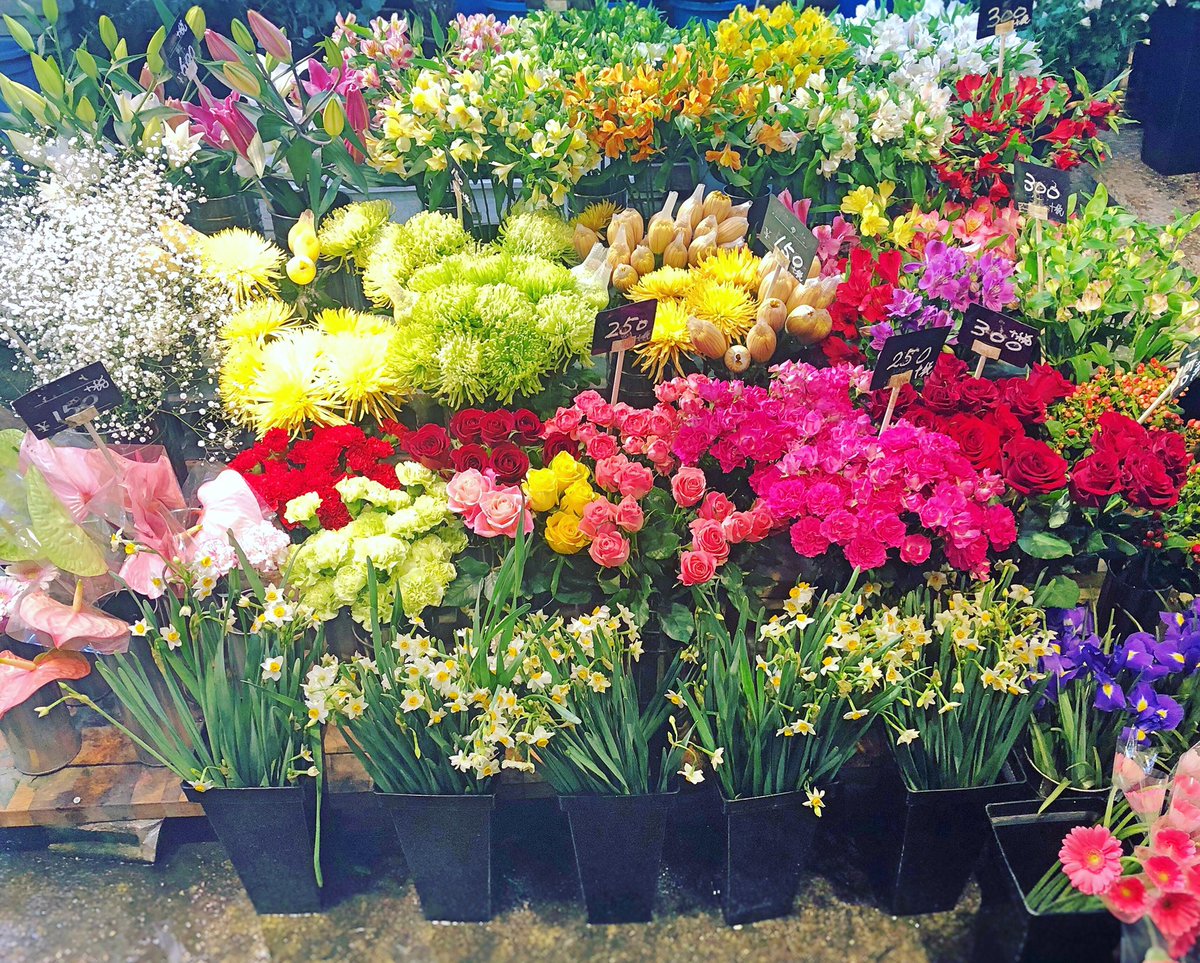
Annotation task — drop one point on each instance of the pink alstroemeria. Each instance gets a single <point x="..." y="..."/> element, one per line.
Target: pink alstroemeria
<point x="21" y="678"/>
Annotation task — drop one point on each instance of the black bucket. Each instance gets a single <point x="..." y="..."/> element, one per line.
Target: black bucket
<point x="767" y="844"/>
<point x="447" y="843"/>
<point x="1024" y="844"/>
<point x="269" y="835"/>
<point x="928" y="841"/>
<point x="618" y="851"/>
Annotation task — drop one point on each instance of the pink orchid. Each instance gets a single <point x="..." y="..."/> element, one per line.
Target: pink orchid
<point x="21" y="678"/>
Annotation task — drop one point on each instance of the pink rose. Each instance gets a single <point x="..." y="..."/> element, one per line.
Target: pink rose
<point x="602" y="446"/>
<point x="659" y="452"/>
<point x="688" y="486"/>
<point x="634" y="445"/>
<point x="597" y="517"/>
<point x="634" y="480"/>
<point x="629" y="515"/>
<point x="696" y="568"/>
<point x="566" y="420"/>
<point x="588" y="401"/>
<point x="464" y="490"/>
<point x="501" y="512"/>
<point x="609" y="549"/>
<point x="915" y="549"/>
<point x="738" y="527"/>
<point x="602" y="414"/>
<point x="839" y="526"/>
<point x="716" y="506"/>
<point x="607" y="469"/>
<point x="708" y="536"/>
<point x="764" y="522"/>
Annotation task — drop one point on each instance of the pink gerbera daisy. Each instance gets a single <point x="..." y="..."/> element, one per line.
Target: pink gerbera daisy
<point x="1126" y="899"/>
<point x="1175" y="913"/>
<point x="1164" y="873"/>
<point x="1174" y="843"/>
<point x="1091" y="858"/>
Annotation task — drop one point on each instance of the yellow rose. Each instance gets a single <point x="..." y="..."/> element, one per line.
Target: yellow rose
<point x="541" y="485"/>
<point x="577" y="496"/>
<point x="567" y="470"/>
<point x="563" y="534"/>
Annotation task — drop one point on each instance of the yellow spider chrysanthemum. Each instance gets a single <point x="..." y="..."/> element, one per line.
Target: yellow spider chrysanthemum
<point x="241" y="366"/>
<point x="726" y="305"/>
<point x="291" y="391"/>
<point x="669" y="342"/>
<point x="736" y="266"/>
<point x="257" y="320"/>
<point x="246" y="263"/>
<point x="350" y="231"/>
<point x="597" y="215"/>
<point x="349" y="321"/>
<point x="665" y="284"/>
<point x="361" y="375"/>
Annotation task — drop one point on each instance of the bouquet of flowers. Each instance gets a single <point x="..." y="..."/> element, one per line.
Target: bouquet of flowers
<point x="1154" y="887"/>
<point x="979" y="659"/>
<point x="1103" y="695"/>
<point x="791" y="718"/>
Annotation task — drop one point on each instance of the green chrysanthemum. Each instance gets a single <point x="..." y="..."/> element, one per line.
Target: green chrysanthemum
<point x="539" y="234"/>
<point x="349" y="233"/>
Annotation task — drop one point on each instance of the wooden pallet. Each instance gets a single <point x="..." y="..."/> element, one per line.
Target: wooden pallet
<point x="106" y="783"/>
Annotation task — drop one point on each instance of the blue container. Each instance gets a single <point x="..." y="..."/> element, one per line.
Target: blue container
<point x="468" y="7"/>
<point x="503" y="9"/>
<point x="15" y="65"/>
<point x="679" y="12"/>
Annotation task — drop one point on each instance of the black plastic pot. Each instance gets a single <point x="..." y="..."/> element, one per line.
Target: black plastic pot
<point x="447" y="843"/>
<point x="1023" y="846"/>
<point x="928" y="841"/>
<point x="1168" y="76"/>
<point x="767" y="843"/>
<point x="1127" y="601"/>
<point x="618" y="851"/>
<point x="269" y="835"/>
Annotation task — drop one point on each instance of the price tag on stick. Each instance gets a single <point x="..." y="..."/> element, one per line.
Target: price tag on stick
<point x="72" y="401"/>
<point x="1187" y="373"/>
<point x="998" y="17"/>
<point x="903" y="359"/>
<point x="621" y="328"/>
<point x="179" y="54"/>
<point x="990" y="334"/>
<point x="783" y="231"/>
<point x="1041" y="192"/>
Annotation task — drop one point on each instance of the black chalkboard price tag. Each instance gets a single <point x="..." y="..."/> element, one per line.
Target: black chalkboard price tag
<point x="69" y="401"/>
<point x="623" y="327"/>
<point x="1186" y="374"/>
<point x="179" y="51"/>
<point x="996" y="336"/>
<point x="908" y="357"/>
<point x="783" y="231"/>
<point x="1003" y="16"/>
<point x="1041" y="192"/>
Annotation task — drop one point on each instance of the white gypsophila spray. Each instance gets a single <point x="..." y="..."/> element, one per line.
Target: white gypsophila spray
<point x="97" y="266"/>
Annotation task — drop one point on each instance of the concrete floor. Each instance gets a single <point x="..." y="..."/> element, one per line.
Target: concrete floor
<point x="190" y="906"/>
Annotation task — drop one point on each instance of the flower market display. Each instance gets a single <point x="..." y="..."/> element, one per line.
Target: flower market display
<point x="761" y="423"/>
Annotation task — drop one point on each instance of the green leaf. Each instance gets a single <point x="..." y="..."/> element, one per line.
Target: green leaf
<point x="10" y="448"/>
<point x="464" y="590"/>
<point x="1044" y="545"/>
<point x="64" y="543"/>
<point x="678" y="623"/>
<point x="1061" y="593"/>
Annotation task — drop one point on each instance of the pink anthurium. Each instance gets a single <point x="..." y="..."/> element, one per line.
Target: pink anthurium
<point x="228" y="506"/>
<point x="76" y="626"/>
<point x="81" y="478"/>
<point x="21" y="678"/>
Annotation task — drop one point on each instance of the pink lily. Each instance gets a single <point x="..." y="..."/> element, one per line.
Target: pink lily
<point x="219" y="48"/>
<point x="21" y="678"/>
<point x="341" y="79"/>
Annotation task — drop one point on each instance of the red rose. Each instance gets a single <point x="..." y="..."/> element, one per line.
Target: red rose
<point x="527" y="426"/>
<point x="1024" y="401"/>
<point x="878" y="401"/>
<point x="1170" y="448"/>
<point x="979" y="441"/>
<point x="978" y="395"/>
<point x="1095" y="478"/>
<point x="942" y="395"/>
<point x="466" y="457"/>
<point x="1048" y="384"/>
<point x="464" y="425"/>
<point x="1006" y="423"/>
<point x="496" y="426"/>
<point x="922" y="417"/>
<point x="1147" y="484"/>
<point x="1119" y="434"/>
<point x="558" y="442"/>
<point x="429" y="445"/>
<point x="1032" y="467"/>
<point x="509" y="463"/>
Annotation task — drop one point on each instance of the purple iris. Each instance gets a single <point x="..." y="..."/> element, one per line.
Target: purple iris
<point x="1139" y="655"/>
<point x="1110" y="697"/>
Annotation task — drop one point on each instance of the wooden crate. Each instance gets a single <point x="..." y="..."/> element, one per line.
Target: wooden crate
<point x="106" y="783"/>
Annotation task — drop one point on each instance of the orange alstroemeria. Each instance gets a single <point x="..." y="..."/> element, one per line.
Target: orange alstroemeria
<point x="770" y="137"/>
<point x="725" y="158"/>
